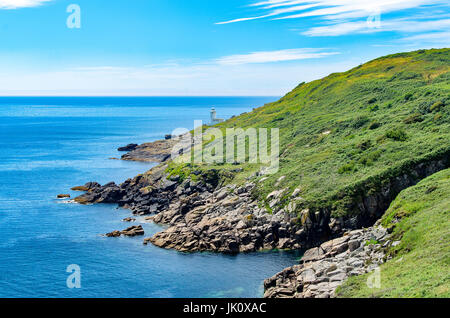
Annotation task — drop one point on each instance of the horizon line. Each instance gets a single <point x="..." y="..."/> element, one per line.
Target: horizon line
<point x="121" y="96"/>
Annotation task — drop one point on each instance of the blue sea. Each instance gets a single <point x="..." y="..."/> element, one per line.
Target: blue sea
<point x="49" y="145"/>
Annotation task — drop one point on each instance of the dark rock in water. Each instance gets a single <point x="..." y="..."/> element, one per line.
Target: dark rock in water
<point x="109" y="193"/>
<point x="113" y="234"/>
<point x="63" y="196"/>
<point x="129" y="220"/>
<point x="129" y="147"/>
<point x="87" y="187"/>
<point x="134" y="231"/>
<point x="168" y="137"/>
<point x="131" y="231"/>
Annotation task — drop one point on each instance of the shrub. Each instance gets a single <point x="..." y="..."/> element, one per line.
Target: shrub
<point x="372" y="242"/>
<point x="437" y="117"/>
<point x="414" y="118"/>
<point x="374" y="108"/>
<point x="349" y="167"/>
<point x="369" y="159"/>
<point x="374" y="125"/>
<point x="408" y="96"/>
<point x="436" y="106"/>
<point x="397" y="134"/>
<point x="359" y="122"/>
<point x="366" y="144"/>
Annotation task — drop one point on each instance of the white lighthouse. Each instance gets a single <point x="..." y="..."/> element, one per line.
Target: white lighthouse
<point x="215" y="120"/>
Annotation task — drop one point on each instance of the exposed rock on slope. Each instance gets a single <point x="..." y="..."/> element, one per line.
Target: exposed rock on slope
<point x="157" y="151"/>
<point x="326" y="267"/>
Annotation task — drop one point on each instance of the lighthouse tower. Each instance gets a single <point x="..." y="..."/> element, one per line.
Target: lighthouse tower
<point x="215" y="120"/>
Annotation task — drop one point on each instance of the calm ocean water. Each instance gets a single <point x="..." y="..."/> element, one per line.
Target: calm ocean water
<point x="49" y="145"/>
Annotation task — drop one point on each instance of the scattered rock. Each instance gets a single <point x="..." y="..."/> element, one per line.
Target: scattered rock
<point x="63" y="196"/>
<point x="131" y="231"/>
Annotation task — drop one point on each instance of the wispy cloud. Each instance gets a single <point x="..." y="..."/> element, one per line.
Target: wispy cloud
<point x="401" y="25"/>
<point x="430" y="38"/>
<point x="274" y="56"/>
<point x="340" y="17"/>
<point x="16" y="4"/>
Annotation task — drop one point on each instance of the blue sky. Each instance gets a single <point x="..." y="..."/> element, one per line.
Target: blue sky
<point x="203" y="47"/>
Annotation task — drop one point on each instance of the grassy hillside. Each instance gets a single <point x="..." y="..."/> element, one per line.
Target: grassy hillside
<point x="420" y="218"/>
<point x="355" y="127"/>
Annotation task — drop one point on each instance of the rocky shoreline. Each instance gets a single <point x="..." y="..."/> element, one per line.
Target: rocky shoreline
<point x="322" y="269"/>
<point x="203" y="214"/>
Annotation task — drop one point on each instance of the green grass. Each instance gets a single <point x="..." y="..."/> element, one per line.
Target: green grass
<point x="381" y="117"/>
<point x="420" y="218"/>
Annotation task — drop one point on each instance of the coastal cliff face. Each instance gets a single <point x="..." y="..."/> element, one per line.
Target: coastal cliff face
<point x="205" y="216"/>
<point x="349" y="144"/>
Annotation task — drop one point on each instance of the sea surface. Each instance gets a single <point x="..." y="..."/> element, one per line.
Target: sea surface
<point x="47" y="146"/>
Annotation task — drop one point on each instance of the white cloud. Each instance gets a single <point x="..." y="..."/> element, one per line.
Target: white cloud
<point x="441" y="39"/>
<point x="15" y="4"/>
<point x="330" y="8"/>
<point x="273" y="56"/>
<point x="401" y="25"/>
<point x="342" y="17"/>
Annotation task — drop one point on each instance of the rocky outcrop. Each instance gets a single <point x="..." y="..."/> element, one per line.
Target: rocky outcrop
<point x="157" y="151"/>
<point x="227" y="220"/>
<point x="326" y="267"/>
<point x="63" y="196"/>
<point x="129" y="147"/>
<point x="88" y="187"/>
<point x="131" y="231"/>
<point x="201" y="215"/>
<point x="109" y="193"/>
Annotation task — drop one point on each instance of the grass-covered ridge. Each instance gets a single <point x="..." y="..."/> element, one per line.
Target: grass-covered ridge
<point x="354" y="128"/>
<point x="420" y="218"/>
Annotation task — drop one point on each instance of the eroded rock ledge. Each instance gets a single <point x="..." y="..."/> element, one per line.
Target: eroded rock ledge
<point x="157" y="151"/>
<point x="326" y="267"/>
<point x="226" y="220"/>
